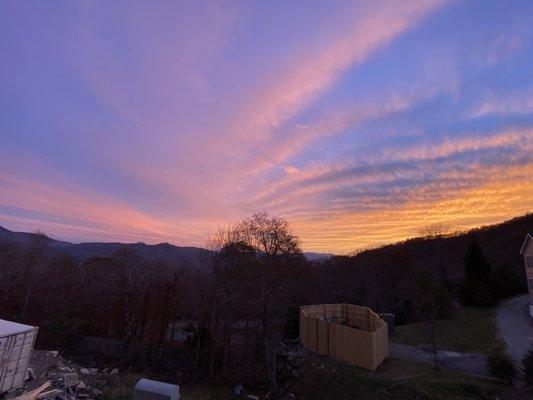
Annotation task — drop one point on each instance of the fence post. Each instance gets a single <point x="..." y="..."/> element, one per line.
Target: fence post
<point x="327" y="338"/>
<point x="316" y="324"/>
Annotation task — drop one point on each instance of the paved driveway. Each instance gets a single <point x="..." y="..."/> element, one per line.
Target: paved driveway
<point x="515" y="326"/>
<point x="471" y="363"/>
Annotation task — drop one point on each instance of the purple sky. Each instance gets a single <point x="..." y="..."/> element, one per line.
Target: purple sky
<point x="362" y="122"/>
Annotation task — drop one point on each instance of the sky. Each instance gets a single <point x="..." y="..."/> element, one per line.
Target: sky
<point x="361" y="122"/>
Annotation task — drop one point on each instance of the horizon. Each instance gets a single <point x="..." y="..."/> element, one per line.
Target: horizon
<point x="427" y="235"/>
<point x="362" y="123"/>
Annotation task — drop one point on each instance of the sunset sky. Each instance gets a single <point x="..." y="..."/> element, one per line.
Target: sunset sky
<point x="361" y="122"/>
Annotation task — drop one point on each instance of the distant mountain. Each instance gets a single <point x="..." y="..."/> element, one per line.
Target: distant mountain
<point x="195" y="257"/>
<point x="317" y="257"/>
<point x="501" y="244"/>
<point x="24" y="238"/>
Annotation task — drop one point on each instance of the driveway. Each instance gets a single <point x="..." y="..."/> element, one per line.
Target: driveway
<point x="471" y="363"/>
<point x="515" y="326"/>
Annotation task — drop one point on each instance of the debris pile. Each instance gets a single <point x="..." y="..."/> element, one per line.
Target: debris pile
<point x="290" y="361"/>
<point x="53" y="377"/>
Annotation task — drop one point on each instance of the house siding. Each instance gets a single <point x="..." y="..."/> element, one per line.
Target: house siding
<point x="527" y="253"/>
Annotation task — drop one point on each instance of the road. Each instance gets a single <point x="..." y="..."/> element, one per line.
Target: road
<point x="471" y="363"/>
<point x="515" y="326"/>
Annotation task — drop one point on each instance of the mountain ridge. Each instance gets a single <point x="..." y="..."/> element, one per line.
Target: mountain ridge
<point x="509" y="231"/>
<point x="161" y="252"/>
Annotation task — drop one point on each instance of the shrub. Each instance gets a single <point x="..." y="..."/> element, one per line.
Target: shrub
<point x="527" y="361"/>
<point x="443" y="305"/>
<point x="405" y="313"/>
<point x="292" y="323"/>
<point x="477" y="294"/>
<point x="506" y="281"/>
<point x="501" y="366"/>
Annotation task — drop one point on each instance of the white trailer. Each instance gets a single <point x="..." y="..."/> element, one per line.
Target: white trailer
<point x="16" y="345"/>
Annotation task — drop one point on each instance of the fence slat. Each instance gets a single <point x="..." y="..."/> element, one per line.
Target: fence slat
<point x="363" y="341"/>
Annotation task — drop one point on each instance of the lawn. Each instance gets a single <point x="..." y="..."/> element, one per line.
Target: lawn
<point x="120" y="387"/>
<point x="470" y="330"/>
<point x="326" y="379"/>
<point x="322" y="378"/>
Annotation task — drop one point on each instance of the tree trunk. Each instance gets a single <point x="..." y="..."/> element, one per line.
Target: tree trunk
<point x="434" y="343"/>
<point x="198" y="342"/>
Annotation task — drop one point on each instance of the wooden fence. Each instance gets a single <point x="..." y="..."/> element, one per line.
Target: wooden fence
<point x="349" y="333"/>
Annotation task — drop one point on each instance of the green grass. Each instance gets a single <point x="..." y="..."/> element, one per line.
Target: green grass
<point x="120" y="387"/>
<point x="327" y="379"/>
<point x="470" y="330"/>
<point x="322" y="378"/>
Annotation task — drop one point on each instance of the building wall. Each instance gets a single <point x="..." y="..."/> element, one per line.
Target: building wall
<point x="528" y="262"/>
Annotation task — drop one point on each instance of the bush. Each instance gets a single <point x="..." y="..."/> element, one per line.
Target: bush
<point x="292" y="323"/>
<point x="501" y="366"/>
<point x="443" y="305"/>
<point x="506" y="282"/>
<point x="527" y="361"/>
<point x="405" y="313"/>
<point x="477" y="294"/>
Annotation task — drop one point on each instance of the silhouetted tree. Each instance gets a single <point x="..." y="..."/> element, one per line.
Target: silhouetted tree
<point x="476" y="288"/>
<point x="476" y="265"/>
<point x="256" y="268"/>
<point x="430" y="297"/>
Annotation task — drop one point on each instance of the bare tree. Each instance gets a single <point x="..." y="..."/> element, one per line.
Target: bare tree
<point x="437" y="233"/>
<point x="254" y="270"/>
<point x="37" y="245"/>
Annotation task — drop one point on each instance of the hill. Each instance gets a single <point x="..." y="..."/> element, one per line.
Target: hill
<point x="388" y="278"/>
<point x="23" y="238"/>
<point x="195" y="257"/>
<point x="501" y="245"/>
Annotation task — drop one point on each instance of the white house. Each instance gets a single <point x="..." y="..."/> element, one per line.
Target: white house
<point x="527" y="253"/>
<point x="181" y="331"/>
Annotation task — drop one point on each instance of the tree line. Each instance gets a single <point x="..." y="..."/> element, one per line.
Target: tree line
<point x="244" y="305"/>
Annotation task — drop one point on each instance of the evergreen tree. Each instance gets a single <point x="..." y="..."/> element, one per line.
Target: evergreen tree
<point x="476" y="289"/>
<point x="476" y="265"/>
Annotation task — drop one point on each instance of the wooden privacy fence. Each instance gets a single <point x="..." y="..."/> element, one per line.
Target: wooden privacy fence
<point x="349" y="333"/>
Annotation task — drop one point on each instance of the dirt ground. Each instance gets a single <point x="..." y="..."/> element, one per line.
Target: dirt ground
<point x="49" y="365"/>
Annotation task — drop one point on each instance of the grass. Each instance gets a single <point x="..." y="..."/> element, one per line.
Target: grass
<point x="394" y="379"/>
<point x="208" y="391"/>
<point x="326" y="379"/>
<point x="120" y="387"/>
<point x="470" y="330"/>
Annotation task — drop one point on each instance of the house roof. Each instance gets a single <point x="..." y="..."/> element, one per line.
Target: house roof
<point x="526" y="243"/>
<point x="8" y="328"/>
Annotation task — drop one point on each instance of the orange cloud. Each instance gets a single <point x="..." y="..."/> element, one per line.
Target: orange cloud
<point x="500" y="199"/>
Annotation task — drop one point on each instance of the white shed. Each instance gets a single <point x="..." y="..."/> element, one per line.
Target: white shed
<point x="16" y="345"/>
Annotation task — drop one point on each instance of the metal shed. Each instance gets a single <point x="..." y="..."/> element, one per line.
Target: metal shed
<point x="16" y="345"/>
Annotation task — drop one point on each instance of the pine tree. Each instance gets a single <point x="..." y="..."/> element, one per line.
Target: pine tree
<point x="476" y="265"/>
<point x="476" y="289"/>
